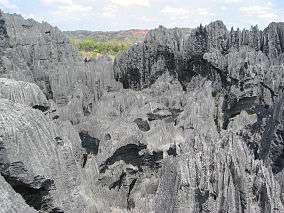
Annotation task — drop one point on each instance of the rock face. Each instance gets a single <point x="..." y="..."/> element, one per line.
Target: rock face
<point x="231" y="115"/>
<point x="41" y="54"/>
<point x="39" y="159"/>
<point x="146" y="61"/>
<point x="23" y="92"/>
<point x="198" y="126"/>
<point x="182" y="54"/>
<point x="11" y="201"/>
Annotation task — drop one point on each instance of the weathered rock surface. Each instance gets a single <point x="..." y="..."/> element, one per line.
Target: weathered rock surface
<point x="198" y="126"/>
<point x="41" y="54"/>
<point x="230" y="125"/>
<point x="23" y="93"/>
<point x="181" y="53"/>
<point x="40" y="160"/>
<point x="10" y="201"/>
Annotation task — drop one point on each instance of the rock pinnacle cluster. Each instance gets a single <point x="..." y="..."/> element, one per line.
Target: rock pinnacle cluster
<point x="186" y="121"/>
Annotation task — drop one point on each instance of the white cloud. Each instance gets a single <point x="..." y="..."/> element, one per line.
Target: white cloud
<point x="56" y="2"/>
<point x="70" y="9"/>
<point x="8" y="4"/>
<point x="73" y="11"/>
<point x="148" y="19"/>
<point x="115" y="14"/>
<point x="265" y="12"/>
<point x="130" y="3"/>
<point x="176" y="12"/>
<point x="112" y="9"/>
<point x="182" y="13"/>
<point x="109" y="11"/>
<point x="232" y="1"/>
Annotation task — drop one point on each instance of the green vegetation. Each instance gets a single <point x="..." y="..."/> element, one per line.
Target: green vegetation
<point x="92" y="48"/>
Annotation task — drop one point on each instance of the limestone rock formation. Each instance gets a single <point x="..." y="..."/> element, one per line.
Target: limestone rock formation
<point x="41" y="161"/>
<point x="10" y="201"/>
<point x="198" y="126"/>
<point x="144" y="62"/>
<point x="177" y="52"/>
<point x="238" y="106"/>
<point x="23" y="92"/>
<point x="41" y="54"/>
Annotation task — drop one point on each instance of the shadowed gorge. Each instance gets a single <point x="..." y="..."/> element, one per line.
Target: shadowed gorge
<point x="130" y="155"/>
<point x="89" y="143"/>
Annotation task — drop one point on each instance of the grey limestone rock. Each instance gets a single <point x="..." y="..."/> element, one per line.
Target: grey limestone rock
<point x="41" y="161"/>
<point x="39" y="53"/>
<point x="232" y="98"/>
<point x="12" y="202"/>
<point x="23" y="92"/>
<point x="198" y="126"/>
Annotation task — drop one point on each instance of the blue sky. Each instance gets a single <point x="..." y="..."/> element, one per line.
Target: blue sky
<point x="109" y="15"/>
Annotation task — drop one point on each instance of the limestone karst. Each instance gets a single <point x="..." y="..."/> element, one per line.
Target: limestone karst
<point x="185" y="121"/>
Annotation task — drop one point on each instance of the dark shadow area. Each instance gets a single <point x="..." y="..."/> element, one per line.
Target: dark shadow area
<point x="33" y="189"/>
<point x="130" y="202"/>
<point x="41" y="108"/>
<point x="130" y="155"/>
<point x="172" y="151"/>
<point x="55" y="117"/>
<point x="91" y="144"/>
<point x="56" y="210"/>
<point x="201" y="198"/>
<point x="142" y="124"/>
<point x="59" y="140"/>
<point x="85" y="158"/>
<point x="232" y="108"/>
<point x="119" y="182"/>
<point x="272" y="138"/>
<point x="107" y="137"/>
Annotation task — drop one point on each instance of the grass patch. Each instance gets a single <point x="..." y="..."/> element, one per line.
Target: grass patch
<point x="92" y="48"/>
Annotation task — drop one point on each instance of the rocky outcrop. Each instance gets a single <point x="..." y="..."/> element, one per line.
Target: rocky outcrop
<point x="182" y="53"/>
<point x="10" y="201"/>
<point x="132" y="146"/>
<point x="240" y="110"/>
<point x="218" y="170"/>
<point x="186" y="161"/>
<point x="23" y="93"/>
<point x="198" y="126"/>
<point x="41" y="161"/>
<point x="143" y="63"/>
<point x="41" y="54"/>
<point x="46" y="163"/>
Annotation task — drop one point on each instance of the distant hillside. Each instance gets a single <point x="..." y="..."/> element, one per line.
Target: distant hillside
<point x="129" y="36"/>
<point x="93" y="44"/>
